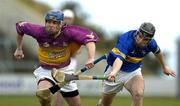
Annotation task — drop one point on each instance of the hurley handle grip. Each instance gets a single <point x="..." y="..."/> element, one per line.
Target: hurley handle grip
<point x="100" y="78"/>
<point x="95" y="62"/>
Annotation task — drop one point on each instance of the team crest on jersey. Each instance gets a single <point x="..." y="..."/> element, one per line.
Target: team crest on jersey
<point x="55" y="43"/>
<point x="133" y="52"/>
<point x="143" y="52"/>
<point x="46" y="44"/>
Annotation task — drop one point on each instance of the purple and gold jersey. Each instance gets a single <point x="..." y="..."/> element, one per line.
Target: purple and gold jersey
<point x="56" y="52"/>
<point x="126" y="50"/>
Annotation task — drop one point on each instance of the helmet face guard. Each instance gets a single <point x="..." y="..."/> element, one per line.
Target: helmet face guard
<point x="144" y="34"/>
<point x="54" y="15"/>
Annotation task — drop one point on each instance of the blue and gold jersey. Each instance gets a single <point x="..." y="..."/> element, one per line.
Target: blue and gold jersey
<point x="126" y="50"/>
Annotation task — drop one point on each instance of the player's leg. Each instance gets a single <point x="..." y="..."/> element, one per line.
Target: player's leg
<point x="106" y="100"/>
<point x="135" y="86"/>
<point x="73" y="101"/>
<point x="59" y="100"/>
<point x="110" y="89"/>
<point x="44" y="97"/>
<point x="44" y="81"/>
<point x="71" y="94"/>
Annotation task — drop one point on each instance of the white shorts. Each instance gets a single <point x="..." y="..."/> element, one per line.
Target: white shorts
<point x="42" y="73"/>
<point x="121" y="79"/>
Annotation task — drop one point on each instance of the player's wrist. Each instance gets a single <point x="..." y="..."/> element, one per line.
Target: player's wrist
<point x="113" y="73"/>
<point x="19" y="48"/>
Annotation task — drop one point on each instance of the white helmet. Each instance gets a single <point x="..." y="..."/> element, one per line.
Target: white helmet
<point x="68" y="13"/>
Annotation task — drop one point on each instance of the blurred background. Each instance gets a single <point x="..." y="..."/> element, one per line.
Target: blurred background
<point x="109" y="19"/>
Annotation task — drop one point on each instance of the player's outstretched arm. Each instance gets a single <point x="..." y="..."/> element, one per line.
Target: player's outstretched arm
<point x="91" y="54"/>
<point x="166" y="70"/>
<point x="18" y="54"/>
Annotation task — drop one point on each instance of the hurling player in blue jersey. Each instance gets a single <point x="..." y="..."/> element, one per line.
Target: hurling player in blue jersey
<point x="124" y="64"/>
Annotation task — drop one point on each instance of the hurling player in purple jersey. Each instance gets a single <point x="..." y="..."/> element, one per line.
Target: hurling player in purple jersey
<point x="55" y="50"/>
<point x="124" y="64"/>
<point x="68" y="20"/>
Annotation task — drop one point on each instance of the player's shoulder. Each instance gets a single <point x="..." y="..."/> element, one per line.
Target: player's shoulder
<point x="152" y="42"/>
<point x="29" y="24"/>
<point x="127" y="36"/>
<point x="130" y="33"/>
<point x="75" y="28"/>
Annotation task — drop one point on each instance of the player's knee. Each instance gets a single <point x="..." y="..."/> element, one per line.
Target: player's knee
<point x="138" y="94"/>
<point x="44" y="97"/>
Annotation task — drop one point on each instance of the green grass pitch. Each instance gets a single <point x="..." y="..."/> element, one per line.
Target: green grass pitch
<point x="90" y="101"/>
